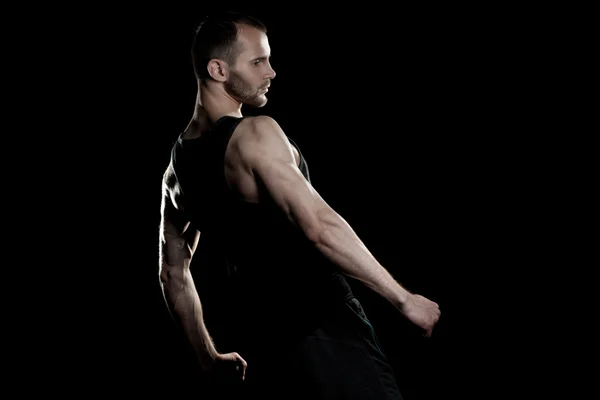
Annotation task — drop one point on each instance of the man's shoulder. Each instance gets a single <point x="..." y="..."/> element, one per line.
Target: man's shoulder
<point x="258" y="130"/>
<point x="260" y="124"/>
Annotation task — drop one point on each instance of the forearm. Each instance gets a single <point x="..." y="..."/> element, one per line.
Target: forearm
<point x="340" y="244"/>
<point x="184" y="304"/>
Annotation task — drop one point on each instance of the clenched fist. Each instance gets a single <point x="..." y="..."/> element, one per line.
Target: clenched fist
<point x="421" y="311"/>
<point x="228" y="368"/>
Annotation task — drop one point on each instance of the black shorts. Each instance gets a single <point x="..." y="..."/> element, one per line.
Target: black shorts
<point x="342" y="359"/>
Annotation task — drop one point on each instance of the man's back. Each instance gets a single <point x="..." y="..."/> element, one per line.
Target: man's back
<point x="276" y="278"/>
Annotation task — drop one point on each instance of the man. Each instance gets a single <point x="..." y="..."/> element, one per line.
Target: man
<point x="293" y="327"/>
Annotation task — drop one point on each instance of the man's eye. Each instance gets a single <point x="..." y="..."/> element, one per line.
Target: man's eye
<point x="256" y="62"/>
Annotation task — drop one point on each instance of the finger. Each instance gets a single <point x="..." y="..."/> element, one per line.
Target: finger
<point x="428" y="332"/>
<point x="241" y="369"/>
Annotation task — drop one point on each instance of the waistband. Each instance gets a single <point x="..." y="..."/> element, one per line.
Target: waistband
<point x="341" y="287"/>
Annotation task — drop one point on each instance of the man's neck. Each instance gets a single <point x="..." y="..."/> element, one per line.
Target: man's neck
<point x="212" y="103"/>
<point x="216" y="102"/>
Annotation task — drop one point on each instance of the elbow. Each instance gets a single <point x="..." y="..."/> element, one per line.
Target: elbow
<point x="171" y="274"/>
<point x="164" y="275"/>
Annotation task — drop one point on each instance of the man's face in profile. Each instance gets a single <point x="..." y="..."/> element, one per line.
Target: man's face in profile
<point x="252" y="72"/>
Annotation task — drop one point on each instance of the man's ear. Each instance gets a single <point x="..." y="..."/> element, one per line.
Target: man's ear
<point x="218" y="70"/>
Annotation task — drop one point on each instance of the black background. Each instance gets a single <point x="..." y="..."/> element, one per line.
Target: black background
<point x="414" y="125"/>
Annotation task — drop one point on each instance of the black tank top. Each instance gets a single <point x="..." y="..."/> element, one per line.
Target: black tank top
<point x="275" y="278"/>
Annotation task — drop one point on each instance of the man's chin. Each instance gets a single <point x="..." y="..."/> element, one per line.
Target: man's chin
<point x="257" y="103"/>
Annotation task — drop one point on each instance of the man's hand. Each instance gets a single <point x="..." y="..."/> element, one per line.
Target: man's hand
<point x="228" y="368"/>
<point x="421" y="311"/>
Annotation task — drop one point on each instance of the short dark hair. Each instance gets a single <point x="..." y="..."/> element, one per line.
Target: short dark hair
<point x="216" y="37"/>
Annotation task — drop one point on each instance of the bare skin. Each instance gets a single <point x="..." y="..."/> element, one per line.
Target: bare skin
<point x="259" y="152"/>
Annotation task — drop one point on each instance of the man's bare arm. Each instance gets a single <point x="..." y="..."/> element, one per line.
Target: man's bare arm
<point x="267" y="154"/>
<point x="177" y="245"/>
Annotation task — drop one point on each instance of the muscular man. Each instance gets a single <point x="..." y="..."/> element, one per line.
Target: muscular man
<point x="295" y="324"/>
